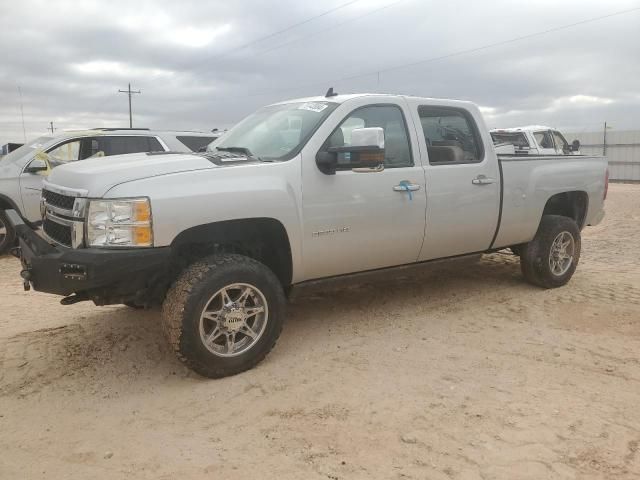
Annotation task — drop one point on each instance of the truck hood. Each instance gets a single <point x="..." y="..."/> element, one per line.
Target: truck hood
<point x="96" y="176"/>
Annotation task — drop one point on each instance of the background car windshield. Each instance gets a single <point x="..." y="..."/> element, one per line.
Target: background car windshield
<point x="32" y="146"/>
<point x="277" y="132"/>
<point x="516" y="139"/>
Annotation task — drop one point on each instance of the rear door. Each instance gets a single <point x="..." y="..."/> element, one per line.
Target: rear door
<point x="462" y="179"/>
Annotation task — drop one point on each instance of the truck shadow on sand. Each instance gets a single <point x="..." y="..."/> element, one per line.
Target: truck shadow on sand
<point x="114" y="348"/>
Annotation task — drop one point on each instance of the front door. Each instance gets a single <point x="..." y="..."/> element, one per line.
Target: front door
<point x="463" y="182"/>
<point x="363" y="221"/>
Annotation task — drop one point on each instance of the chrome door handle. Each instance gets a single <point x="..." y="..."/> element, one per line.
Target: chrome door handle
<point x="483" y="180"/>
<point x="406" y="187"/>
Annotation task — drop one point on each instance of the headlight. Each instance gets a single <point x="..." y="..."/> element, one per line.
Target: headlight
<point x="119" y="223"/>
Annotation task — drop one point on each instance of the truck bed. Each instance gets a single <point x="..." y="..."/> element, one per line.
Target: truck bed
<point x="528" y="181"/>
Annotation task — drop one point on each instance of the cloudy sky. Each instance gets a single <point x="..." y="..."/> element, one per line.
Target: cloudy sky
<point x="207" y="64"/>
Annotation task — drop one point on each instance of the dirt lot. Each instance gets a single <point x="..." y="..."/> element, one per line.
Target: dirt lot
<point x="456" y="372"/>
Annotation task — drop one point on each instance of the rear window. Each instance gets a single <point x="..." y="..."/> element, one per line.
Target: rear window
<point x="195" y="143"/>
<point x="517" y="139"/>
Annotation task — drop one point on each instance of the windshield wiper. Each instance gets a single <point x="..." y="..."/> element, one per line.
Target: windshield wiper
<point x="242" y="150"/>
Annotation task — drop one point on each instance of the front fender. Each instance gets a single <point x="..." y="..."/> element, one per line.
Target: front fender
<point x="184" y="200"/>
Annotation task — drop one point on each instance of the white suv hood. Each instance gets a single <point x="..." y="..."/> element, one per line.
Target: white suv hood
<point x="96" y="176"/>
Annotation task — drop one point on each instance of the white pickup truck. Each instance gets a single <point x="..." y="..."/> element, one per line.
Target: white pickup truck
<point x="533" y="140"/>
<point x="300" y="191"/>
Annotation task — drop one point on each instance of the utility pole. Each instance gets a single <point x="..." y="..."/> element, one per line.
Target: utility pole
<point x="604" y="140"/>
<point x="51" y="127"/>
<point x="130" y="92"/>
<point x="24" y="130"/>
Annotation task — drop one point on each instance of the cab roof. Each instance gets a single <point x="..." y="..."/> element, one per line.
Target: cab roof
<point x="341" y="98"/>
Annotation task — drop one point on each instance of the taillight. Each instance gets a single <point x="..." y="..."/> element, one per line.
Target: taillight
<point x="606" y="184"/>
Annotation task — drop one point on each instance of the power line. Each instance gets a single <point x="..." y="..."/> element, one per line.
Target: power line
<point x="130" y="92"/>
<point x="329" y="28"/>
<point x="448" y="55"/>
<point x="279" y="32"/>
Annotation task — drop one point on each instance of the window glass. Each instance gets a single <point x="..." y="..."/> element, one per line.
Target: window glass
<point x="451" y="136"/>
<point x="544" y="139"/>
<point x="517" y="139"/>
<point x="276" y="132"/>
<point x="154" y="145"/>
<point x="397" y="150"/>
<point x="30" y="147"/>
<point x="124" y="145"/>
<point x="195" y="143"/>
<point x="561" y="143"/>
<point x="67" y="152"/>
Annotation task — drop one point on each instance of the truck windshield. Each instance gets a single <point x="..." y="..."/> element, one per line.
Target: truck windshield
<point x="277" y="132"/>
<point x="517" y="139"/>
<point x="32" y="146"/>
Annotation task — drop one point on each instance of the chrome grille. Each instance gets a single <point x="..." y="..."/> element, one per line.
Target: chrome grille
<point x="59" y="233"/>
<point x="57" y="200"/>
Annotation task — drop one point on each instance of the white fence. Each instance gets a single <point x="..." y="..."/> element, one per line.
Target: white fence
<point x="622" y="150"/>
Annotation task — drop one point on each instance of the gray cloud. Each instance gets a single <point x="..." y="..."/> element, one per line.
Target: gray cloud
<point x="70" y="58"/>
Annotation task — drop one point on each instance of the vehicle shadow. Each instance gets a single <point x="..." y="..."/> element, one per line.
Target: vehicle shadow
<point x="114" y="349"/>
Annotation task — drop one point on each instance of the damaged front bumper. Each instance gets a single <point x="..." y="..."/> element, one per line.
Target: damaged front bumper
<point x="105" y="276"/>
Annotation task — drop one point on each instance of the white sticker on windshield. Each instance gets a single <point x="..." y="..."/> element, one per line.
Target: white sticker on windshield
<point x="313" y="106"/>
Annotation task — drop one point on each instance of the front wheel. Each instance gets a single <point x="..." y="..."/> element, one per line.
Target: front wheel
<point x="224" y="314"/>
<point x="7" y="234"/>
<point x="551" y="258"/>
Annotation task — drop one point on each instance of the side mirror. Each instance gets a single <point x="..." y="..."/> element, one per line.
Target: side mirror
<point x="39" y="165"/>
<point x="365" y="154"/>
<point x="575" y="146"/>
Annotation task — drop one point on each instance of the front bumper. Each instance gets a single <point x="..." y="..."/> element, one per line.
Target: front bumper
<point x="102" y="275"/>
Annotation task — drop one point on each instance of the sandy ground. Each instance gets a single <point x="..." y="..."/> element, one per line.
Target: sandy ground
<point x="449" y="373"/>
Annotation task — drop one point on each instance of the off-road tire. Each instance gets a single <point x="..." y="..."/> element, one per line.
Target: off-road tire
<point x="534" y="258"/>
<point x="7" y="239"/>
<point x="189" y="295"/>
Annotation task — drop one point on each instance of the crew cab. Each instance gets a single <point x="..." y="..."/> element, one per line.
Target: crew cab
<point x="301" y="192"/>
<point x="22" y="170"/>
<point x="533" y="140"/>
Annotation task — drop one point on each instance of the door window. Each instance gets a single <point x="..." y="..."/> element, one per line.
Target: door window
<point x="67" y="152"/>
<point x="397" y="149"/>
<point x="130" y="144"/>
<point x="451" y="136"/>
<point x="561" y="143"/>
<point x="544" y="139"/>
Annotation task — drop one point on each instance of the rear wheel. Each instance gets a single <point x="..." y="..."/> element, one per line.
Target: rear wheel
<point x="224" y="314"/>
<point x="7" y="234"/>
<point x="551" y="258"/>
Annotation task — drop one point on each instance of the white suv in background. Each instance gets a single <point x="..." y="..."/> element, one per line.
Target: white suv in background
<point x="23" y="170"/>
<point x="533" y="140"/>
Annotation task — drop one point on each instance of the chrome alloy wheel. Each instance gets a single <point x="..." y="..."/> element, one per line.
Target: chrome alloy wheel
<point x="561" y="254"/>
<point x="233" y="320"/>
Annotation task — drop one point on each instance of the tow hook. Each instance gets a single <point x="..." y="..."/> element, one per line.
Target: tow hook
<point x="26" y="279"/>
<point x="71" y="299"/>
